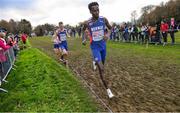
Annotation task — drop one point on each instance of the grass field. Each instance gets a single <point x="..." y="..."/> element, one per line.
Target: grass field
<point x="40" y="84"/>
<point x="142" y="79"/>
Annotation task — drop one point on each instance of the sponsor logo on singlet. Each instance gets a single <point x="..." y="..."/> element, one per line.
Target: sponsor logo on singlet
<point x="63" y="37"/>
<point x="97" y="29"/>
<point x="97" y="33"/>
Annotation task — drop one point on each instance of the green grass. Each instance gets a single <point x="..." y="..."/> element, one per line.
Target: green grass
<point x="167" y="53"/>
<point x="177" y="37"/>
<point x="40" y="84"/>
<point x="143" y="79"/>
<point x="27" y="43"/>
<point x="156" y="52"/>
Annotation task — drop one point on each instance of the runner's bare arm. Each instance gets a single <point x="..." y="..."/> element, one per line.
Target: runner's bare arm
<point x="67" y="34"/>
<point x="56" y="34"/>
<point x="107" y="24"/>
<point x="85" y="30"/>
<point x="52" y="37"/>
<point x="109" y="28"/>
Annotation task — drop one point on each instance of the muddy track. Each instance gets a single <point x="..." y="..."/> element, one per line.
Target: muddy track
<point x="139" y="84"/>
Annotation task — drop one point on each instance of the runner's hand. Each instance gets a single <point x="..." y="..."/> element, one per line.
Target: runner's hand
<point x="105" y="38"/>
<point x="84" y="42"/>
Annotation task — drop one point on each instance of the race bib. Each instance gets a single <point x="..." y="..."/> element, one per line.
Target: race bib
<point x="63" y="37"/>
<point x="98" y="35"/>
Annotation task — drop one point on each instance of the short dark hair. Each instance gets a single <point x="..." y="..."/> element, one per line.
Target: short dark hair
<point x="92" y="4"/>
<point x="60" y="22"/>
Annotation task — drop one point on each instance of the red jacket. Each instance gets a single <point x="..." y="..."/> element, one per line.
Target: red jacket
<point x="23" y="37"/>
<point x="3" y="44"/>
<point x="164" y="27"/>
<point x="3" y="47"/>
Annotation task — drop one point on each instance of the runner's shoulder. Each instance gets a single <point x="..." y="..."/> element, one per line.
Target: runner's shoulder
<point x="105" y="19"/>
<point x="57" y="31"/>
<point x="85" y="24"/>
<point x="65" y="30"/>
<point x="102" y="17"/>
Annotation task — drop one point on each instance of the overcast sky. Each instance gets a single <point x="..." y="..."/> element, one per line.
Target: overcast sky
<point x="69" y="11"/>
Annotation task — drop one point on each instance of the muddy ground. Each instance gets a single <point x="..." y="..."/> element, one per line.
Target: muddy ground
<point x="139" y="82"/>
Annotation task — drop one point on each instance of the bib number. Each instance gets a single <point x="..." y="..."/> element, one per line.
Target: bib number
<point x="63" y="37"/>
<point x="98" y="35"/>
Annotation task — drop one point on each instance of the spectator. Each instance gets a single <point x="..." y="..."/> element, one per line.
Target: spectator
<point x="74" y="32"/>
<point x="117" y="33"/>
<point x="131" y="33"/>
<point x="126" y="33"/>
<point x="171" y="31"/>
<point x="80" y="31"/>
<point x="121" y="33"/>
<point x="112" y="35"/>
<point x="17" y="38"/>
<point x="13" y="43"/>
<point x="24" y="38"/>
<point x="147" y="33"/>
<point x="3" y="47"/>
<point x="153" y="35"/>
<point x="142" y="34"/>
<point x="135" y="32"/>
<point x="3" y="44"/>
<point x="158" y="34"/>
<point x="139" y="33"/>
<point x="164" y="30"/>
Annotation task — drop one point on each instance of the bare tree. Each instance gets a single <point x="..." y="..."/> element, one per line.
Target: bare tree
<point x="14" y="26"/>
<point x="164" y="11"/>
<point x="25" y="26"/>
<point x="134" y="16"/>
<point x="5" y="24"/>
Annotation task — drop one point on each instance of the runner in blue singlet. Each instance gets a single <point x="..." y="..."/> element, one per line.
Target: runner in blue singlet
<point x="63" y="46"/>
<point x="98" y="36"/>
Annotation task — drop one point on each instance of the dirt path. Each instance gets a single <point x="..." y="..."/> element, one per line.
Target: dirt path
<point x="139" y="84"/>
